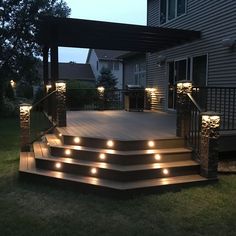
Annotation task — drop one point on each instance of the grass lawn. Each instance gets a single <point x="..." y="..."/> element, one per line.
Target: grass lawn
<point x="36" y="209"/>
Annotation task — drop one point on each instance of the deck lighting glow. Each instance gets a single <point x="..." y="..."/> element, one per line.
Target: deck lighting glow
<point x="76" y="140"/>
<point x="13" y="83"/>
<point x="158" y="157"/>
<point x="58" y="165"/>
<point x="110" y="143"/>
<point x="94" y="171"/>
<point x="151" y="144"/>
<point x="165" y="171"/>
<point x="102" y="156"/>
<point x="60" y="135"/>
<point x="68" y="152"/>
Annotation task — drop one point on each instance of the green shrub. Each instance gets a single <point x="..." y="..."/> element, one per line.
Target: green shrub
<point x="39" y="94"/>
<point x="9" y="92"/>
<point x="10" y="108"/>
<point x="24" y="90"/>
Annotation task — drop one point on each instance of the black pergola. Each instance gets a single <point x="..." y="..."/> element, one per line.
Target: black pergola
<point x="66" y="32"/>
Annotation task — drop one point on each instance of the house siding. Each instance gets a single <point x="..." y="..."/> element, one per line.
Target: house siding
<point x="216" y="20"/>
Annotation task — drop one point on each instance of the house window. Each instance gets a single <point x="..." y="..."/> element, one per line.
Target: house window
<point x="140" y="74"/>
<point x="171" y="9"/>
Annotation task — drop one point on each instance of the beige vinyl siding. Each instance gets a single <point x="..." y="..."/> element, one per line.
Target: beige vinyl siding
<point x="216" y="20"/>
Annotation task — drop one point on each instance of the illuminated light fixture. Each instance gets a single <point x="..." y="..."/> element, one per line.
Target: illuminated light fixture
<point x="110" y="143"/>
<point x="157" y="157"/>
<point x="101" y="89"/>
<point x="58" y="165"/>
<point x="151" y="90"/>
<point x="184" y="87"/>
<point x="25" y="108"/>
<point x="210" y="119"/>
<point x="165" y="171"/>
<point x="13" y="83"/>
<point x="48" y="143"/>
<point x="151" y="144"/>
<point x="67" y="152"/>
<point x="60" y="135"/>
<point x="94" y="171"/>
<point x="48" y="87"/>
<point x="102" y="156"/>
<point x="76" y="140"/>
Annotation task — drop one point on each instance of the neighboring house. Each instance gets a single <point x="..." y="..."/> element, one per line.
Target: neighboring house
<point x="134" y="69"/>
<point x="210" y="61"/>
<point x="73" y="71"/>
<point x="98" y="59"/>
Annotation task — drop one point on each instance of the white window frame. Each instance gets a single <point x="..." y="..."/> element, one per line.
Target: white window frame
<point x="167" y="11"/>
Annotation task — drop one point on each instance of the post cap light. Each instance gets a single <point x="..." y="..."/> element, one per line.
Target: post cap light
<point x="184" y="86"/>
<point x="100" y="89"/>
<point x="25" y="107"/>
<point x="48" y="86"/>
<point x="210" y="119"/>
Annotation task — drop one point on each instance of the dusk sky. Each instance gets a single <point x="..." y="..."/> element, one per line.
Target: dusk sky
<point x="121" y="11"/>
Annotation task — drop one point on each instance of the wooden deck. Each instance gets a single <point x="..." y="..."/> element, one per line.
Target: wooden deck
<point x="120" y="125"/>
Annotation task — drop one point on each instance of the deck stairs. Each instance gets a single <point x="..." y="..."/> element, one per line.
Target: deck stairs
<point x="113" y="165"/>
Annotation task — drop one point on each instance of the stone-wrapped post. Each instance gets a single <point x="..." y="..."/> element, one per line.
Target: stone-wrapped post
<point x="61" y="103"/>
<point x="182" y="107"/>
<point x="25" y="127"/>
<point x="101" y="97"/>
<point x="209" y="144"/>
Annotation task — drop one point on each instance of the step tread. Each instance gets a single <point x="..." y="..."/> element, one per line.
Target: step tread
<point x="39" y="154"/>
<point x="29" y="157"/>
<point x="55" y="142"/>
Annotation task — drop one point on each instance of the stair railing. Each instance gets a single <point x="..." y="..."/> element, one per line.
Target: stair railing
<point x="199" y="128"/>
<point x="43" y="116"/>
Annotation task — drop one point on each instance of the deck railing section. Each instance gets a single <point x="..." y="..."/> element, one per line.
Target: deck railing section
<point x="42" y="116"/>
<point x="100" y="99"/>
<point x="221" y="100"/>
<point x="194" y="130"/>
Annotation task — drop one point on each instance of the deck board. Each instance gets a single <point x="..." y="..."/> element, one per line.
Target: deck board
<point x="120" y="125"/>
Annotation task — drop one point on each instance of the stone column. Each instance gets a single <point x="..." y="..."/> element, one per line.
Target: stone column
<point x="182" y="107"/>
<point x="25" y="127"/>
<point x="61" y="103"/>
<point x="209" y="144"/>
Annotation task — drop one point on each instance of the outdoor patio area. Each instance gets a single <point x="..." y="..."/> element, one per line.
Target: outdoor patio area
<point x="121" y="125"/>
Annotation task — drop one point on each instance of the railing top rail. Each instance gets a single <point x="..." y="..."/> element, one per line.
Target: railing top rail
<point x="213" y="87"/>
<point x="194" y="102"/>
<point x="43" y="99"/>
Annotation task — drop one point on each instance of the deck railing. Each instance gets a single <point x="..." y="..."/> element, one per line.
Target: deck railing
<point x="99" y="99"/>
<point x="94" y="99"/>
<point x="42" y="116"/>
<point x="194" y="129"/>
<point x="221" y="100"/>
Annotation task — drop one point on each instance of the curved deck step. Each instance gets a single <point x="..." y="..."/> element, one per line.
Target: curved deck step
<point x="115" y="156"/>
<point x="30" y="169"/>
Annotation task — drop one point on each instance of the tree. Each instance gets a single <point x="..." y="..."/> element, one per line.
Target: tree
<point x="107" y="79"/>
<point x="18" y="28"/>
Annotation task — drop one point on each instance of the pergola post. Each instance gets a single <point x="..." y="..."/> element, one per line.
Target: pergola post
<point x="54" y="66"/>
<point x="45" y="66"/>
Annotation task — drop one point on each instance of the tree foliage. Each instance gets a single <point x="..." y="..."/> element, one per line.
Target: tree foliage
<point x="18" y="28"/>
<point x="107" y="79"/>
